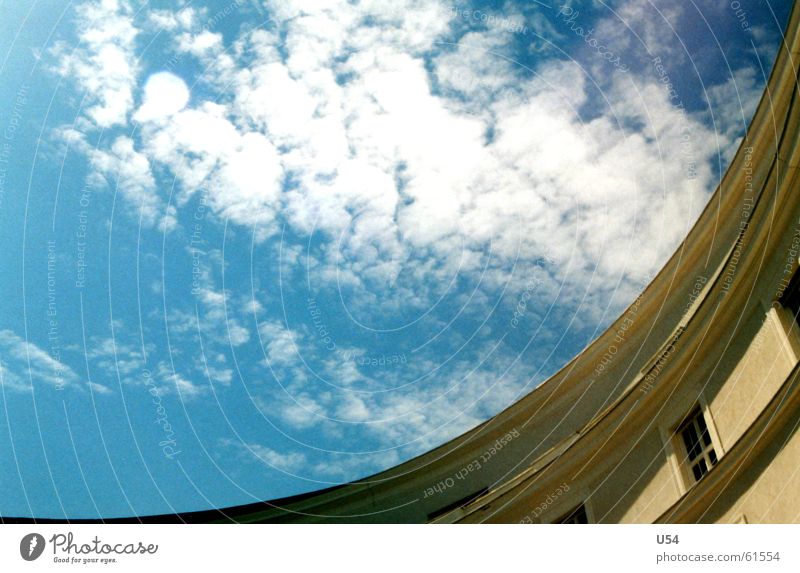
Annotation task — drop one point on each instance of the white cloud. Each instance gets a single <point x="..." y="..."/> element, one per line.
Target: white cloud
<point x="104" y="62"/>
<point x="334" y="125"/>
<point x="217" y="322"/>
<point x="123" y="168"/>
<point x="281" y="461"/>
<point x="240" y="172"/>
<point x="347" y="467"/>
<point x="732" y="105"/>
<point x="279" y="342"/>
<point x="169" y="21"/>
<point x="169" y="380"/>
<point x="117" y="358"/>
<point x="164" y="95"/>
<point x="343" y="398"/>
<point x="98" y="388"/>
<point x="638" y="30"/>
<point x="219" y="375"/>
<point x="24" y="362"/>
<point x="476" y="67"/>
<point x="115" y="361"/>
<point x="201" y="44"/>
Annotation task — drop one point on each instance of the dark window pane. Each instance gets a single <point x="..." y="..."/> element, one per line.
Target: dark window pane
<point x="687" y="441"/>
<point x="578" y="515"/>
<point x="691" y="441"/>
<point x="712" y="455"/>
<point x="701" y="421"/>
<point x="791" y="296"/>
<point x="706" y="438"/>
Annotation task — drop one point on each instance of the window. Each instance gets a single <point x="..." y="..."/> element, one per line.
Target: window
<point x="699" y="449"/>
<point x="790" y="298"/>
<point x="577" y="515"/>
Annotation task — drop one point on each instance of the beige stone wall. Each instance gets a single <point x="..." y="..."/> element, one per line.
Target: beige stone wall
<point x="775" y="495"/>
<point x="643" y="489"/>
<point x="766" y="363"/>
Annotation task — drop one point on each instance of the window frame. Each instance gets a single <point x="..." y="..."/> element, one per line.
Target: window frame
<point x="676" y="450"/>
<point x="700" y="455"/>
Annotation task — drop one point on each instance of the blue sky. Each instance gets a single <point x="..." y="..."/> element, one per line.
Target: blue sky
<point x="250" y="249"/>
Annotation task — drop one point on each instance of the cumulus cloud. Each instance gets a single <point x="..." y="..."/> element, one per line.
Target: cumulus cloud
<point x="164" y="95"/>
<point x="380" y="160"/>
<point x="217" y="322"/>
<point x="339" y="125"/>
<point x="103" y="64"/>
<point x="239" y="172"/>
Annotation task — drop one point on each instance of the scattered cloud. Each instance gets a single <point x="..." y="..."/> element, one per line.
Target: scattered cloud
<point x="128" y="171"/>
<point x="99" y="388"/>
<point x="281" y="461"/>
<point x="24" y="363"/>
<point x="642" y="29"/>
<point x="732" y="105"/>
<point x="409" y="407"/>
<point x="119" y="360"/>
<point x="173" y="382"/>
